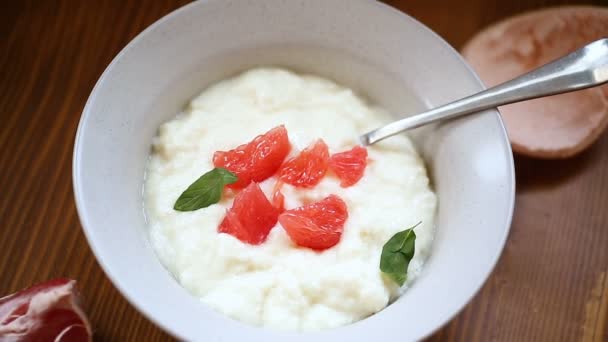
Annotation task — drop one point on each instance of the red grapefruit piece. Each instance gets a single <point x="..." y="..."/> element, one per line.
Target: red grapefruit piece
<point x="317" y="225"/>
<point x="50" y="311"/>
<point x="553" y="127"/>
<point x="308" y="168"/>
<point x="256" y="160"/>
<point x="251" y="217"/>
<point x="349" y="165"/>
<point x="278" y="199"/>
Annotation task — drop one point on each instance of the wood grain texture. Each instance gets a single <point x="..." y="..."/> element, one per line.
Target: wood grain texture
<point x="551" y="283"/>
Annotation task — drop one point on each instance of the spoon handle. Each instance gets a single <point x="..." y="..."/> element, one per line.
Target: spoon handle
<point x="583" y="68"/>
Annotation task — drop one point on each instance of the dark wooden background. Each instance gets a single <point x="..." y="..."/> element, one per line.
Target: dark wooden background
<point x="551" y="283"/>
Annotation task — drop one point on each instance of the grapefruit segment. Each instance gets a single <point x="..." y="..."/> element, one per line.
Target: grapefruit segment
<point x="257" y="160"/>
<point x="349" y="165"/>
<point x="308" y="168"/>
<point x="318" y="225"/>
<point x="278" y="199"/>
<point x="251" y="217"/>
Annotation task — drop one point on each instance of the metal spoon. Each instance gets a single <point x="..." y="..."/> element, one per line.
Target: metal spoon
<point x="583" y="68"/>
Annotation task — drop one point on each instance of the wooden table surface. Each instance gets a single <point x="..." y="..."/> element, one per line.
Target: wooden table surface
<point x="551" y="283"/>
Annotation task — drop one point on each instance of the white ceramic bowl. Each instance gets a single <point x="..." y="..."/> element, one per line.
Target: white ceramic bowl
<point x="385" y="55"/>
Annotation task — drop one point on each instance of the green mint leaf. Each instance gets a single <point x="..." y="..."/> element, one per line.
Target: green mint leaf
<point x="397" y="253"/>
<point x="205" y="191"/>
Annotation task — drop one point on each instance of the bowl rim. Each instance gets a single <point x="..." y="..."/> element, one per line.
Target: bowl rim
<point x="77" y="151"/>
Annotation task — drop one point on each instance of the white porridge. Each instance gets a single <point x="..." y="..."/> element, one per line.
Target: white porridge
<point x="278" y="284"/>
